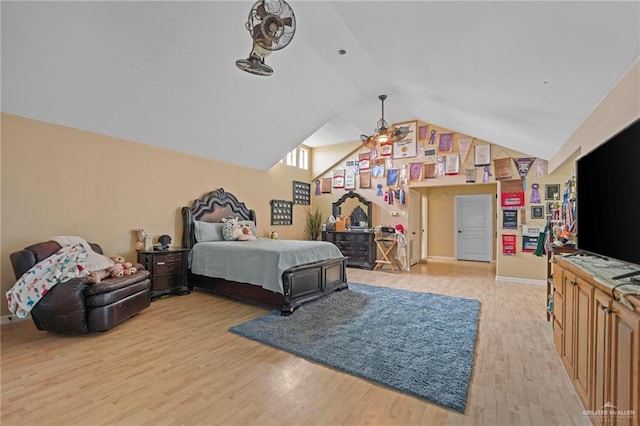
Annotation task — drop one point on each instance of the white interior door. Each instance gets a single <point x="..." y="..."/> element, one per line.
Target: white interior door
<point x="414" y="237"/>
<point x="425" y="227"/>
<point x="474" y="227"/>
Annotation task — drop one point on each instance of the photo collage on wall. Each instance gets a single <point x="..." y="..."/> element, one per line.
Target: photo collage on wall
<point x="431" y="152"/>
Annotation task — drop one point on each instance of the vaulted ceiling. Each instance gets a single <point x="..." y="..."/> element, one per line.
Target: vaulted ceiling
<point x="519" y="74"/>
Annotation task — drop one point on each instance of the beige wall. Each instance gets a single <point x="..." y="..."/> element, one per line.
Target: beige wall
<point x="62" y="181"/>
<point x="619" y="108"/>
<point x="324" y="158"/>
<point x="441" y="193"/>
<point x="441" y="219"/>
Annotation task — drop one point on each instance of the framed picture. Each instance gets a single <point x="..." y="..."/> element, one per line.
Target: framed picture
<point x="550" y="208"/>
<point x="365" y="179"/>
<point x="325" y="185"/>
<point x="537" y="212"/>
<point x="482" y="155"/>
<point x="551" y="191"/>
<point x="281" y="212"/>
<point x="405" y="147"/>
<point x="423" y="132"/>
<point x="301" y="193"/>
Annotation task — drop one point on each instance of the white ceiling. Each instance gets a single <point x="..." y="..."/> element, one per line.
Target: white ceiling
<point x="519" y="74"/>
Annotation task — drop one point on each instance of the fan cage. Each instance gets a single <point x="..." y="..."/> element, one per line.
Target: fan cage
<point x="274" y="11"/>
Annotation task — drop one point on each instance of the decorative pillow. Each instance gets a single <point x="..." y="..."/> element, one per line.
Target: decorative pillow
<point x="206" y="231"/>
<point x="252" y="225"/>
<point x="229" y="225"/>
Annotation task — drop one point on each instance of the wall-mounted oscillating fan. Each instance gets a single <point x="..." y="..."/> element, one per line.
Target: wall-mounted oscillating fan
<point x="382" y="133"/>
<point x="272" y="25"/>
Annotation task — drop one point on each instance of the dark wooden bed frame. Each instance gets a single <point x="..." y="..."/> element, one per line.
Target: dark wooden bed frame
<point x="301" y="283"/>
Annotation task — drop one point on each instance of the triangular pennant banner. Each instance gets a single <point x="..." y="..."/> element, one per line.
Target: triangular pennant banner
<point x="463" y="149"/>
<point x="523" y="165"/>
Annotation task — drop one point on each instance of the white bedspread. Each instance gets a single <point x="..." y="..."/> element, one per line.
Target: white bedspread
<point x="260" y="262"/>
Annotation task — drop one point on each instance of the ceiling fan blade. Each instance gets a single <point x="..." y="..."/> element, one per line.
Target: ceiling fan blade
<point x="369" y="141"/>
<point x="400" y="133"/>
<point x="287" y="21"/>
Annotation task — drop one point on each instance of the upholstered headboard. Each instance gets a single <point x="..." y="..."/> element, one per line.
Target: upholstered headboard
<point x="212" y="207"/>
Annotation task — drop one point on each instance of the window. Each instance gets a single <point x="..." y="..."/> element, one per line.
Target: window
<point x="299" y="157"/>
<point x="303" y="158"/>
<point x="291" y="158"/>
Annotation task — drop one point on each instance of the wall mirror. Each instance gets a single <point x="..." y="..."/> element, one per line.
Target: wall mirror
<point x="355" y="206"/>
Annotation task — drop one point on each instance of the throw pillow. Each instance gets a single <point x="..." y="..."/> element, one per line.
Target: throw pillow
<point x="206" y="231"/>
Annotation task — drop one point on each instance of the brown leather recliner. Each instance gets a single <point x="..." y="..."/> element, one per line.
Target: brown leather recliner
<point x="78" y="306"/>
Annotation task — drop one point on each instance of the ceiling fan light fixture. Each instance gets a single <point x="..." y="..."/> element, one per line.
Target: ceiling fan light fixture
<point x="381" y="132"/>
<point x="383" y="138"/>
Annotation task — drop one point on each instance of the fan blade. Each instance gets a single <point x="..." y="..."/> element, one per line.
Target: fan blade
<point x="287" y="21"/>
<point x="400" y="133"/>
<point x="368" y="141"/>
<point x="260" y="38"/>
<point x="261" y="11"/>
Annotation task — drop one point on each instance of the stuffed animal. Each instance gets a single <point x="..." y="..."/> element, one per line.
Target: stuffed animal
<point x="142" y="238"/>
<point x="246" y="234"/>
<point x="117" y="270"/>
<point x="231" y="228"/>
<point x="121" y="267"/>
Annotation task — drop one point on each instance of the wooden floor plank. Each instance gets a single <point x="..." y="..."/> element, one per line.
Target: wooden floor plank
<point x="175" y="363"/>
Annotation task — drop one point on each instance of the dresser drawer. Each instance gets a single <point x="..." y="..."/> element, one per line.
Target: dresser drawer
<point x="361" y="248"/>
<point x="345" y="236"/>
<point x="165" y="268"/>
<point x="363" y="237"/>
<point x="168" y="281"/>
<point x="169" y="257"/>
<point x="360" y="258"/>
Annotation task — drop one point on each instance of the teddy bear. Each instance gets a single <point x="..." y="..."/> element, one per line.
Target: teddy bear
<point x="246" y="234"/>
<point x="121" y="267"/>
<point x="117" y="270"/>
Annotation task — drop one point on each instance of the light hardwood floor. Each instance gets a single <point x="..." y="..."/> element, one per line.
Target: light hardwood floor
<point x="175" y="363"/>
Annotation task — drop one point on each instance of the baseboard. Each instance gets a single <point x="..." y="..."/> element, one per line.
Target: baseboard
<point x="521" y="280"/>
<point x="440" y="258"/>
<point x="8" y="319"/>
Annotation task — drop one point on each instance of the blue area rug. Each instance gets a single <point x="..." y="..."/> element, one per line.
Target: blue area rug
<point x="419" y="343"/>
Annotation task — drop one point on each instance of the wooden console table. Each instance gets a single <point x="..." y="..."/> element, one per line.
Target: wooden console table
<point x="553" y="251"/>
<point x="597" y="335"/>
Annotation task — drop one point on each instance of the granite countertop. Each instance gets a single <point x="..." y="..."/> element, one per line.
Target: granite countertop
<point x="603" y="271"/>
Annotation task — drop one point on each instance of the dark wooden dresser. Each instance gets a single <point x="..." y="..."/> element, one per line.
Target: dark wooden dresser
<point x="358" y="246"/>
<point x="168" y="271"/>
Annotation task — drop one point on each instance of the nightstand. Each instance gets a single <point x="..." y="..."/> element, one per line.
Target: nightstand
<point x="168" y="270"/>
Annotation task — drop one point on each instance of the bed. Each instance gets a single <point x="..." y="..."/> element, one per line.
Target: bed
<point x="293" y="272"/>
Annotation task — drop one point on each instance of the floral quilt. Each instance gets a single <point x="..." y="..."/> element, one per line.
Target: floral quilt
<point x="67" y="263"/>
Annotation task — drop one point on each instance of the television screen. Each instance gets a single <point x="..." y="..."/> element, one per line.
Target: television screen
<point x="608" y="197"/>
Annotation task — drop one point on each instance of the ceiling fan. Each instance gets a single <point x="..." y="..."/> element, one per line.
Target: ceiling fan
<point x="272" y="25"/>
<point x="382" y="133"/>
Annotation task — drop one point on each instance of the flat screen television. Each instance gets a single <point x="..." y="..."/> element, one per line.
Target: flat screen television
<point x="608" y="198"/>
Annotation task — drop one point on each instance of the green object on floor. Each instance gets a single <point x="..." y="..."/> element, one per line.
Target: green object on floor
<point x="541" y="237"/>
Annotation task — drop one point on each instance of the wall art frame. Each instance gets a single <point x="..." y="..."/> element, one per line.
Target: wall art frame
<point x="407" y="146"/>
<point x="281" y="212"/>
<point x="537" y="212"/>
<point x="551" y="190"/>
<point x="301" y="193"/>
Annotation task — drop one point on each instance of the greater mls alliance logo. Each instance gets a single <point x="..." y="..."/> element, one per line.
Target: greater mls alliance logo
<point x="609" y="412"/>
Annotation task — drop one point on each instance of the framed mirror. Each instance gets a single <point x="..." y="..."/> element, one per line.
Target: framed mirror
<point x="355" y="206"/>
